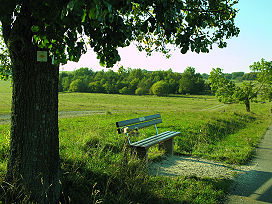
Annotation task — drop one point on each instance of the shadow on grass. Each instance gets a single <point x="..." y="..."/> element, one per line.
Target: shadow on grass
<point x="129" y="183"/>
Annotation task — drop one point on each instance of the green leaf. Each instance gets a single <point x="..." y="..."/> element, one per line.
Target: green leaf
<point x="35" y="29"/>
<point x="46" y="41"/>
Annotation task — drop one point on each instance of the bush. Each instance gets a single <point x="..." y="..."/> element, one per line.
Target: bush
<point x="125" y="90"/>
<point x="78" y="85"/>
<point x="160" y="88"/>
<point x="96" y="87"/>
<point x="141" y="91"/>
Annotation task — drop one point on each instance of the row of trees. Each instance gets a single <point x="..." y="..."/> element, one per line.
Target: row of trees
<point x="133" y="81"/>
<point x="237" y="76"/>
<point x="141" y="82"/>
<point x="241" y="76"/>
<point x="161" y="83"/>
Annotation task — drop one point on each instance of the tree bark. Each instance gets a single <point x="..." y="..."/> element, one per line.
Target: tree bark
<point x="247" y="103"/>
<point x="34" y="164"/>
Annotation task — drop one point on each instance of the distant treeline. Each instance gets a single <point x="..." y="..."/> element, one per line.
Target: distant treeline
<point x="237" y="76"/>
<point x="241" y="76"/>
<point x="139" y="81"/>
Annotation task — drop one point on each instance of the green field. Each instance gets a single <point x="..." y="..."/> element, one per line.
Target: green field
<point x="95" y="162"/>
<point x="5" y="99"/>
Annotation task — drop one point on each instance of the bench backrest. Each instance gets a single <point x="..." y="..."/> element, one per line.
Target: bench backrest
<point x="138" y="123"/>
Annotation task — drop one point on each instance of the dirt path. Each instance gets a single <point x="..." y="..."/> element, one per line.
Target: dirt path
<point x="255" y="186"/>
<point x="5" y="118"/>
<point x="62" y="114"/>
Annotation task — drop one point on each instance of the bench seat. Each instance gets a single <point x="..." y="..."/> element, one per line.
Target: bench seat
<point x="148" y="142"/>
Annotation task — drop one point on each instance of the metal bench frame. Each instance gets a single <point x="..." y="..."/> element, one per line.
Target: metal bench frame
<point x="165" y="139"/>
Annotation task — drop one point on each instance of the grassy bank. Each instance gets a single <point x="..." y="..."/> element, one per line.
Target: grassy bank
<point x="97" y="166"/>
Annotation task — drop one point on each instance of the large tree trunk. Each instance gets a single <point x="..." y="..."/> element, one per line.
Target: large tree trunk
<point x="34" y="165"/>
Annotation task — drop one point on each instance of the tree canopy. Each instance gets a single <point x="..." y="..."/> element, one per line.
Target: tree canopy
<point x="64" y="28"/>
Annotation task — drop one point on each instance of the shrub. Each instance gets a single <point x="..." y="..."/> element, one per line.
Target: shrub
<point x="78" y="85"/>
<point x="160" y="88"/>
<point x="96" y="87"/>
<point x="141" y="91"/>
<point x="125" y="90"/>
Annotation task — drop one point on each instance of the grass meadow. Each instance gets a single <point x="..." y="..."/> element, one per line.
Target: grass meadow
<point x="5" y="97"/>
<point x="97" y="166"/>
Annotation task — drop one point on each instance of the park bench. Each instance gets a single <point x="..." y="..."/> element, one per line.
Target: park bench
<point x="165" y="139"/>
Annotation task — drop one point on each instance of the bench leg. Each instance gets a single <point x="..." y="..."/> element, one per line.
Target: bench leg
<point x="167" y="146"/>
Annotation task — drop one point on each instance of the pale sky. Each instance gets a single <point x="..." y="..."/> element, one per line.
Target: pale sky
<point x="253" y="43"/>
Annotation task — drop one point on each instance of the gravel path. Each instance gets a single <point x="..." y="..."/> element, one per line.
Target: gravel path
<point x="190" y="166"/>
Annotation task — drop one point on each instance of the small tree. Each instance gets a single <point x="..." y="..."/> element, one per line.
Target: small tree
<point x="264" y="77"/>
<point x="227" y="92"/>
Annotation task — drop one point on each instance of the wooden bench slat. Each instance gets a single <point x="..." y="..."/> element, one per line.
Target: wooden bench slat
<point x="162" y="139"/>
<point x="145" y="124"/>
<point x="158" y="138"/>
<point x="146" y="143"/>
<point x="137" y="120"/>
<point x="147" y="139"/>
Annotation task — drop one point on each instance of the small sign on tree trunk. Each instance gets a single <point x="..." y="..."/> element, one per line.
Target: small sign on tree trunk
<point x="41" y="56"/>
